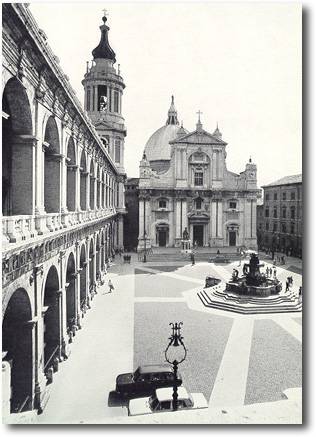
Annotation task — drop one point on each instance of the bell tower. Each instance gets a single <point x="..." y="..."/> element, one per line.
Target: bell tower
<point x="103" y="86"/>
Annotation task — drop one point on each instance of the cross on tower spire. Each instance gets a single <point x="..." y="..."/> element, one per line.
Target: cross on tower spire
<point x="105" y="14"/>
<point x="199" y="113"/>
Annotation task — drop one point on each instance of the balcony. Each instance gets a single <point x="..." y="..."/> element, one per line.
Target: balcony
<point x="26" y="228"/>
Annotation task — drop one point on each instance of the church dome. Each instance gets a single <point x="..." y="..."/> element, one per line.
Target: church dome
<point x="157" y="147"/>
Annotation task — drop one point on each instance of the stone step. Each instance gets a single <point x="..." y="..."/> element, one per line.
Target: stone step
<point x="253" y="299"/>
<point x="253" y="309"/>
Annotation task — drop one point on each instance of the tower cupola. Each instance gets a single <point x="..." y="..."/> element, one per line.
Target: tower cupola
<point x="104" y="50"/>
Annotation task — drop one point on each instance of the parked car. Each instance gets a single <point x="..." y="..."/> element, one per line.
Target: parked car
<point x="145" y="380"/>
<point x="161" y="401"/>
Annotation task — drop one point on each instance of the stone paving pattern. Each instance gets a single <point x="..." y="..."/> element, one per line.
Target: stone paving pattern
<point x="131" y="326"/>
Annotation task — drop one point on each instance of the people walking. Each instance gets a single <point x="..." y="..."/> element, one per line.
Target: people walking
<point x="270" y="271"/>
<point x="267" y="272"/>
<point x="274" y="272"/>
<point x="287" y="286"/>
<point x="111" y="286"/>
<point x="192" y="259"/>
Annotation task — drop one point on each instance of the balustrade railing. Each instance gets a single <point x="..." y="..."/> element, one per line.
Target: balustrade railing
<point x="19" y="228"/>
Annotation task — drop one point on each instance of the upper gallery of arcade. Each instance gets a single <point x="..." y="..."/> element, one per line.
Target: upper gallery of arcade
<point x="56" y="171"/>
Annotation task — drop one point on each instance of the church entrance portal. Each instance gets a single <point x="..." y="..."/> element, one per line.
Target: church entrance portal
<point x="198" y="235"/>
<point x="162" y="238"/>
<point x="232" y="238"/>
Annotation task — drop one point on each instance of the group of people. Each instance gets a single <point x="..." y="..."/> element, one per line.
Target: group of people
<point x="271" y="271"/>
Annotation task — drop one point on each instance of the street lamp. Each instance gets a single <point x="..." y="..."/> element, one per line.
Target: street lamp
<point x="175" y="356"/>
<point x="145" y="237"/>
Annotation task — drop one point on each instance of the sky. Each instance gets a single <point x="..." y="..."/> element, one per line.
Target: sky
<point x="238" y="63"/>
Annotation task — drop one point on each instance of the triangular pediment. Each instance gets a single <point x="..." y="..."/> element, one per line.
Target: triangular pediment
<point x="199" y="137"/>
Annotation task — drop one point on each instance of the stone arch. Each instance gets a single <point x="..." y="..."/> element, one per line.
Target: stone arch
<point x="17" y="343"/>
<point x="71" y="175"/>
<point x="52" y="317"/>
<point x="92" y="185"/>
<point x="83" y="181"/>
<point x="83" y="277"/>
<point x="17" y="151"/>
<point x="52" y="166"/>
<point x="71" y="313"/>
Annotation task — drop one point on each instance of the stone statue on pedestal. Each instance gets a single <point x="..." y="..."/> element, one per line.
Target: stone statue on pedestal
<point x="185" y="234"/>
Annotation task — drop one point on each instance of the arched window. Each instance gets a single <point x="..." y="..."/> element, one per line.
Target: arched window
<point x="117" y="151"/>
<point x="116" y="101"/>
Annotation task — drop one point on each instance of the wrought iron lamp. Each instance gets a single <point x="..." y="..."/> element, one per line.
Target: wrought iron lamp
<point x="175" y="357"/>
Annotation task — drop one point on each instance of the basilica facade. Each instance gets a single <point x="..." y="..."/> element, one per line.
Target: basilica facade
<point x="187" y="192"/>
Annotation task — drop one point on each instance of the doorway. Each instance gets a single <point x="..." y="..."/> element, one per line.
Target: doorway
<point x="162" y="238"/>
<point x="198" y="235"/>
<point x="232" y="238"/>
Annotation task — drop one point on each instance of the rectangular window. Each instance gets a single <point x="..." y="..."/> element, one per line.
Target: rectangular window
<point x="117" y="151"/>
<point x="198" y="178"/>
<point x="293" y="212"/>
<point x="233" y="205"/>
<point x="267" y="212"/>
<point x="275" y="227"/>
<point x="275" y="213"/>
<point x="284" y="195"/>
<point x="162" y="204"/>
<point x="267" y="226"/>
<point x="275" y="196"/>
<point x="292" y="228"/>
<point x="283" y="227"/>
<point x="116" y="101"/>
<point x="283" y="212"/>
<point x="292" y="195"/>
<point x="267" y="196"/>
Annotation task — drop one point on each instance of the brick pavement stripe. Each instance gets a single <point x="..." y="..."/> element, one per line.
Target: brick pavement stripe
<point x="230" y="385"/>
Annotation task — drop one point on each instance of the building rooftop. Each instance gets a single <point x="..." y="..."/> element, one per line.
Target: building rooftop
<point x="132" y="181"/>
<point x="286" y="180"/>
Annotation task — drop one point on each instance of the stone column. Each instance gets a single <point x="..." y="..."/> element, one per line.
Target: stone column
<point x="120" y="231"/>
<point x="184" y="214"/>
<point x="141" y="218"/>
<point x="220" y="218"/>
<point x="178" y="219"/>
<point x="77" y="188"/>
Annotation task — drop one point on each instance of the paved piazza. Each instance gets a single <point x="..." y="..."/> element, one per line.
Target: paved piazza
<point x="233" y="359"/>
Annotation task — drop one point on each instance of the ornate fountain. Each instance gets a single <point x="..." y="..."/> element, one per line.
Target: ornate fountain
<point x="253" y="283"/>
